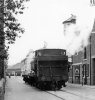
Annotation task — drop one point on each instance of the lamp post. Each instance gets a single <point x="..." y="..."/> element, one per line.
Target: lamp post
<point x="72" y="69"/>
<point x="82" y="72"/>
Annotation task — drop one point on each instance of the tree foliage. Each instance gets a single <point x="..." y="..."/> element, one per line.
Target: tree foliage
<point x="12" y="27"/>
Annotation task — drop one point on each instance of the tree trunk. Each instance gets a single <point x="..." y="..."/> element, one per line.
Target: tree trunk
<point x="2" y="40"/>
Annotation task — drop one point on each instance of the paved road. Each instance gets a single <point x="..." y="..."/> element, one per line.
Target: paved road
<point x="16" y="89"/>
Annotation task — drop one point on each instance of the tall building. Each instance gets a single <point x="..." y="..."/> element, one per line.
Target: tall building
<point x="68" y="22"/>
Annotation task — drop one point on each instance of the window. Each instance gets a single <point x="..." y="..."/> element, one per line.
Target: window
<point x="92" y="2"/>
<point x="85" y="71"/>
<point x="76" y="53"/>
<point x="85" y="53"/>
<point x="35" y="53"/>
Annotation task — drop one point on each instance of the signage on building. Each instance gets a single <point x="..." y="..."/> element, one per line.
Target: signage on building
<point x="77" y="70"/>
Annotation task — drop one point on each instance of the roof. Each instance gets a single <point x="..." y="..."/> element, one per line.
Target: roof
<point x="16" y="66"/>
<point x="72" y="19"/>
<point x="93" y="29"/>
<point x="52" y="58"/>
<point x="49" y="49"/>
<point x="49" y="52"/>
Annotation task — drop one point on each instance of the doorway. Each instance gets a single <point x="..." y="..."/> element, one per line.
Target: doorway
<point x="85" y="73"/>
<point x="93" y="71"/>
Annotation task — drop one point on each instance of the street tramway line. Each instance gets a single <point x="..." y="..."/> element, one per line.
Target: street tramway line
<point x="60" y="97"/>
<point x="87" y="98"/>
<point x="55" y="95"/>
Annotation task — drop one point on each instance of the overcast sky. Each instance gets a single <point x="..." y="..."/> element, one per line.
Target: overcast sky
<point x="43" y="22"/>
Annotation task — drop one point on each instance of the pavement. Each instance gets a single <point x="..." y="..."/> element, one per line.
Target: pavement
<point x="80" y="85"/>
<point x="17" y="89"/>
<point x="2" y="89"/>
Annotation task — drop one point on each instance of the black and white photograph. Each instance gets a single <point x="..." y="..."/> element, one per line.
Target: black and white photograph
<point x="47" y="49"/>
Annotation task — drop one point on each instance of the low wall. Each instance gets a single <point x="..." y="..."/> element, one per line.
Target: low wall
<point x="2" y="88"/>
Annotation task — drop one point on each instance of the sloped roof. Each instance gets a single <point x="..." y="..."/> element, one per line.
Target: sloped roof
<point x="93" y="29"/>
<point x="72" y="19"/>
<point x="16" y="66"/>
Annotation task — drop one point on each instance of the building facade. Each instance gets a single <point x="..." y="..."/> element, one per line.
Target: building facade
<point x="14" y="70"/>
<point x="82" y="70"/>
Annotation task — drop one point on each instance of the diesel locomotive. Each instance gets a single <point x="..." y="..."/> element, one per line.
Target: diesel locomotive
<point x="46" y="68"/>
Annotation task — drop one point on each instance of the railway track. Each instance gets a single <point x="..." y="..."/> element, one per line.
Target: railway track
<point x="55" y="95"/>
<point x="87" y="98"/>
<point x="65" y="91"/>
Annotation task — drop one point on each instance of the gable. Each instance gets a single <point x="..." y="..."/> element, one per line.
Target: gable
<point x="93" y="29"/>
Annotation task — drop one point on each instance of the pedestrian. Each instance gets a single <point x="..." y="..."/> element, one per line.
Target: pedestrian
<point x="9" y="75"/>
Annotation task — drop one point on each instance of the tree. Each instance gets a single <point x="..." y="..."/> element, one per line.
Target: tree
<point x="9" y="26"/>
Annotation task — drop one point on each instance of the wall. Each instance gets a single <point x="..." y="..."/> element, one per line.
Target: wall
<point x="78" y="60"/>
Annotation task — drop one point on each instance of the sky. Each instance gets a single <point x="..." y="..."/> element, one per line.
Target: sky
<point x="42" y="21"/>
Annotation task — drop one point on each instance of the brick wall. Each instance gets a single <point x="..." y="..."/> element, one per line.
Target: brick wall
<point x="79" y="60"/>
